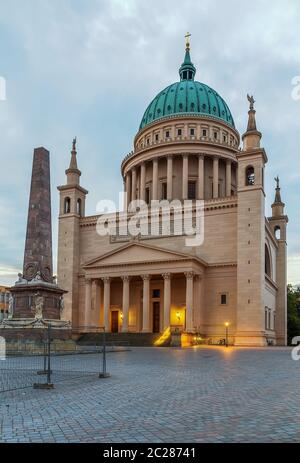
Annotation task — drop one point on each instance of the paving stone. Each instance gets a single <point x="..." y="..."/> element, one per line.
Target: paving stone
<point x="163" y="395"/>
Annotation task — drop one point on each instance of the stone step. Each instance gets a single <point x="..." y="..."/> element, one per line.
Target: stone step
<point x="131" y="339"/>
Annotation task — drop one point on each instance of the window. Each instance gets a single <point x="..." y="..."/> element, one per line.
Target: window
<point x="267" y="262"/>
<point x="67" y="206"/>
<point x="223" y="299"/>
<point x="191" y="190"/>
<point x="148" y="141"/>
<point x="156" y="294"/>
<point x="216" y="135"/>
<point x="167" y="134"/>
<point x="250" y="176"/>
<point x="147" y="195"/>
<point x="156" y="137"/>
<point x="179" y="133"/>
<point x="204" y="133"/>
<point x="277" y="232"/>
<point x="266" y="319"/>
<point x="164" y="191"/>
<point x="79" y="206"/>
<point x="192" y="132"/>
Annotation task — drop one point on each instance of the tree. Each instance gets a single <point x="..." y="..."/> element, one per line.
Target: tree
<point x="293" y="320"/>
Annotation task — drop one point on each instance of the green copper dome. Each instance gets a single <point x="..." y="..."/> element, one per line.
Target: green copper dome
<point x="187" y="97"/>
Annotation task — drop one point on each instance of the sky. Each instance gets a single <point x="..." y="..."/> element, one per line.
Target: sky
<point x="89" y="68"/>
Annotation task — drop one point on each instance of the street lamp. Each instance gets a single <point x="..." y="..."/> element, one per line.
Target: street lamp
<point x="226" y="339"/>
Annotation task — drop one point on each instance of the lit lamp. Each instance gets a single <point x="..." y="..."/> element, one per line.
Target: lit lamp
<point x="178" y="316"/>
<point x="226" y="328"/>
<point x="121" y="316"/>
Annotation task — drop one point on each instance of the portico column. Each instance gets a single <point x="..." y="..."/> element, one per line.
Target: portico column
<point x="189" y="301"/>
<point x="167" y="299"/>
<point x="125" y="306"/>
<point x="169" y="178"/>
<point x="155" y="180"/>
<point x="96" y="320"/>
<point x="201" y="177"/>
<point x="128" y="193"/>
<point x="216" y="178"/>
<point x="185" y="176"/>
<point x="88" y="301"/>
<point x="146" y="303"/>
<point x="106" y="302"/>
<point x="228" y="178"/>
<point x="143" y="182"/>
<point x="133" y="185"/>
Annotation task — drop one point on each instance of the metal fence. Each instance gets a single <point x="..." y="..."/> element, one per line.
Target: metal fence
<point x="43" y="366"/>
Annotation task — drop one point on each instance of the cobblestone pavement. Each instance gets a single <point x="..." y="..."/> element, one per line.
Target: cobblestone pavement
<point x="163" y="395"/>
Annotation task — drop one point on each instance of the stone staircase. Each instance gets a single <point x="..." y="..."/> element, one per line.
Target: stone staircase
<point x="131" y="339"/>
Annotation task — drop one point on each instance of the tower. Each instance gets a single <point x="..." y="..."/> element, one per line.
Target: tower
<point x="251" y="237"/>
<point x="279" y="222"/>
<point x="72" y="208"/>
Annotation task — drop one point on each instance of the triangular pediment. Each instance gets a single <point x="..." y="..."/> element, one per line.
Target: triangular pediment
<point x="138" y="253"/>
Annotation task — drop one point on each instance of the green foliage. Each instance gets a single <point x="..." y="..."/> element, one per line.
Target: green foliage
<point x="293" y="320"/>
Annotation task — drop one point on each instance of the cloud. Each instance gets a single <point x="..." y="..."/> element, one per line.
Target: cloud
<point x="91" y="68"/>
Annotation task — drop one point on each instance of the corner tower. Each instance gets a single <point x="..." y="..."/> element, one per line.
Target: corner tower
<point x="72" y="208"/>
<point x="251" y="237"/>
<point x="279" y="222"/>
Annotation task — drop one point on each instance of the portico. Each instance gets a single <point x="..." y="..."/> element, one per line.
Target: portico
<point x="141" y="295"/>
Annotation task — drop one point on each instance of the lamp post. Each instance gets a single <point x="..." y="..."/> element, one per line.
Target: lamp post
<point x="226" y="333"/>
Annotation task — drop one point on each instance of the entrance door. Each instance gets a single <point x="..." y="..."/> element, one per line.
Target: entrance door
<point x="115" y="321"/>
<point x="156" y="317"/>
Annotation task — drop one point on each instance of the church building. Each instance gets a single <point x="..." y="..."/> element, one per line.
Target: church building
<point x="187" y="148"/>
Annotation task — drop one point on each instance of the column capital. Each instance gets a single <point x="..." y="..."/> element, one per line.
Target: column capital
<point x="200" y="155"/>
<point x="167" y="276"/>
<point x="146" y="277"/>
<point x="189" y="275"/>
<point x="88" y="280"/>
<point x="125" y="278"/>
<point x="106" y="279"/>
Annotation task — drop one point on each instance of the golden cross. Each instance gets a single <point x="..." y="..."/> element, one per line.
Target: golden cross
<point x="187" y="40"/>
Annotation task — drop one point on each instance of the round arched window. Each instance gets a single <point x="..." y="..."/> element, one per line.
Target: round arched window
<point x="67" y="206"/>
<point x="268" y="268"/>
<point x="250" y="176"/>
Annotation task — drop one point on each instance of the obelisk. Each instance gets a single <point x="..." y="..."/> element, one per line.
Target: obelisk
<point x="36" y="296"/>
<point x="38" y="246"/>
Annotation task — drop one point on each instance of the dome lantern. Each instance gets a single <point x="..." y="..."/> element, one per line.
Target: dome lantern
<point x="187" y="70"/>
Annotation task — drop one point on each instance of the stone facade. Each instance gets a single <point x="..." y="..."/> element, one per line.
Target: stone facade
<point x="155" y="283"/>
